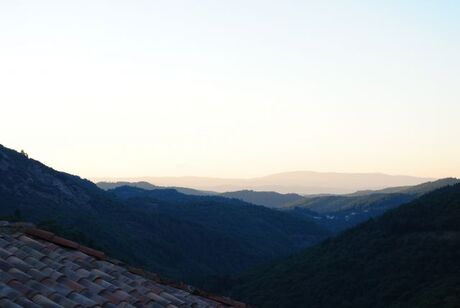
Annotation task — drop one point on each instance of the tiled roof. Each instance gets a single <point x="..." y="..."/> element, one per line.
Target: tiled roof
<point x="40" y="269"/>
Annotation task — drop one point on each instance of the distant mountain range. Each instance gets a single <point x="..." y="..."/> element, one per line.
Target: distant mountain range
<point x="333" y="212"/>
<point x="266" y="198"/>
<point x="300" y="182"/>
<point x="409" y="257"/>
<point x="197" y="239"/>
<point x="148" y="186"/>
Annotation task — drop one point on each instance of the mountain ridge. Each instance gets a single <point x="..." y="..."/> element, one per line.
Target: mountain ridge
<point x="300" y="182"/>
<point x="339" y="212"/>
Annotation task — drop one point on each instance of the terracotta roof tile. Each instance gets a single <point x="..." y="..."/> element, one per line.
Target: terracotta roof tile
<point x="21" y="288"/>
<point x="62" y="300"/>
<point x="135" y="270"/>
<point x="19" y="275"/>
<point x="92" y="252"/>
<point x="24" y="302"/>
<point x="4" y="266"/>
<point x="63" y="242"/>
<point x="40" y="269"/>
<point x="4" y="253"/>
<point x="8" y="304"/>
<point x="43" y="301"/>
<point x="45" y="235"/>
<point x="81" y="299"/>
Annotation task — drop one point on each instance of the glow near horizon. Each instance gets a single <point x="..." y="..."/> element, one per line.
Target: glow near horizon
<point x="232" y="88"/>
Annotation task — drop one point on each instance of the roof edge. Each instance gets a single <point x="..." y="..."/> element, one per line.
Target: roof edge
<point x="31" y="230"/>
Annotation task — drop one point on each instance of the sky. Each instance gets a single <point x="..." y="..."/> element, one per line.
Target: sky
<point x="232" y="88"/>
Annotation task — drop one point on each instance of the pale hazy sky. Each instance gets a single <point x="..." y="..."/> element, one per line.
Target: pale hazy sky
<point x="232" y="88"/>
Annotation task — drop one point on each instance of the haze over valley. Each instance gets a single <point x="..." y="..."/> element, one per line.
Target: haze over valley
<point x="300" y="182"/>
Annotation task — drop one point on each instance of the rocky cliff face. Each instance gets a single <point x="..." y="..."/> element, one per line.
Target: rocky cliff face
<point x="27" y="183"/>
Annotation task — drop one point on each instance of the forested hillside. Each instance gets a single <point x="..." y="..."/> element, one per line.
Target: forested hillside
<point x="340" y="212"/>
<point x="409" y="257"/>
<point x="201" y="240"/>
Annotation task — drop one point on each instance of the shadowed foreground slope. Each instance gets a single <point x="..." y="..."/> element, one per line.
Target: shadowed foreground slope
<point x="409" y="257"/>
